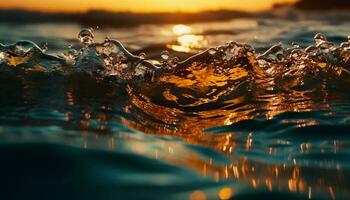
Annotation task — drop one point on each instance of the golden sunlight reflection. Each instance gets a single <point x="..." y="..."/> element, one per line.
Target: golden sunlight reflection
<point x="200" y="82"/>
<point x="182" y="29"/>
<point x="256" y="174"/>
<point x="179" y="48"/>
<point x="186" y="39"/>
<point x="190" y="40"/>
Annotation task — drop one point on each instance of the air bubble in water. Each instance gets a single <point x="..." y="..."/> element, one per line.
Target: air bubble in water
<point x="165" y="55"/>
<point x="212" y="51"/>
<point x="86" y="36"/>
<point x="70" y="46"/>
<point x="142" y="56"/>
<point x="320" y="38"/>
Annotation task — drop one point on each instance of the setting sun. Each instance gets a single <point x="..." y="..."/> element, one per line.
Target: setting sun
<point x="142" y="5"/>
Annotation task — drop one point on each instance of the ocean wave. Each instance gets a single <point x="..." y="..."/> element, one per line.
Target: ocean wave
<point x="271" y="123"/>
<point x="217" y="79"/>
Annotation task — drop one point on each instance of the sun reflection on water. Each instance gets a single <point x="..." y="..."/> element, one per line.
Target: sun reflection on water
<point x="286" y="175"/>
<point x="186" y="40"/>
<point x="181" y="29"/>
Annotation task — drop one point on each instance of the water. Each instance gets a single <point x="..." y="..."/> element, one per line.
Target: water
<point x="246" y="119"/>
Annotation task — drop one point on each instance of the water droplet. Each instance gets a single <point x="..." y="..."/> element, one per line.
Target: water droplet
<point x="221" y="49"/>
<point x="44" y="48"/>
<point x="174" y="61"/>
<point x="70" y="46"/>
<point x="232" y="44"/>
<point x="142" y="56"/>
<point x="165" y="55"/>
<point x="295" y="45"/>
<point x="212" y="51"/>
<point x="320" y="38"/>
<point x="86" y="36"/>
<point x="345" y="45"/>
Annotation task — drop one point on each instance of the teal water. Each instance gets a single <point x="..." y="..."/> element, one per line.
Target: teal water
<point x="89" y="119"/>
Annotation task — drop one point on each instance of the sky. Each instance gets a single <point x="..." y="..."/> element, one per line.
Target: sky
<point x="140" y="5"/>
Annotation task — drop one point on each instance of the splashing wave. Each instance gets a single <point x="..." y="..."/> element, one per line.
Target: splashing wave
<point x="209" y="80"/>
<point x="273" y="114"/>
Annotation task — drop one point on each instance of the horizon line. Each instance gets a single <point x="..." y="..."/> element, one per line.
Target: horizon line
<point x="129" y="11"/>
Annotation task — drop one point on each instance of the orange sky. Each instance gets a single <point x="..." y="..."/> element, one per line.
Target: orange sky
<point x="140" y="5"/>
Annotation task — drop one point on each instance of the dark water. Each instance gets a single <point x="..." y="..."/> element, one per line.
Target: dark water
<point x="232" y="122"/>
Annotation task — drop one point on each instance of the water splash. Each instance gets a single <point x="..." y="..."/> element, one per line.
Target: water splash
<point x="86" y="36"/>
<point x="165" y="55"/>
<point x="111" y="59"/>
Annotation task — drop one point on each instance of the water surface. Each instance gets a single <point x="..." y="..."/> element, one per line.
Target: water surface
<point x="87" y="119"/>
